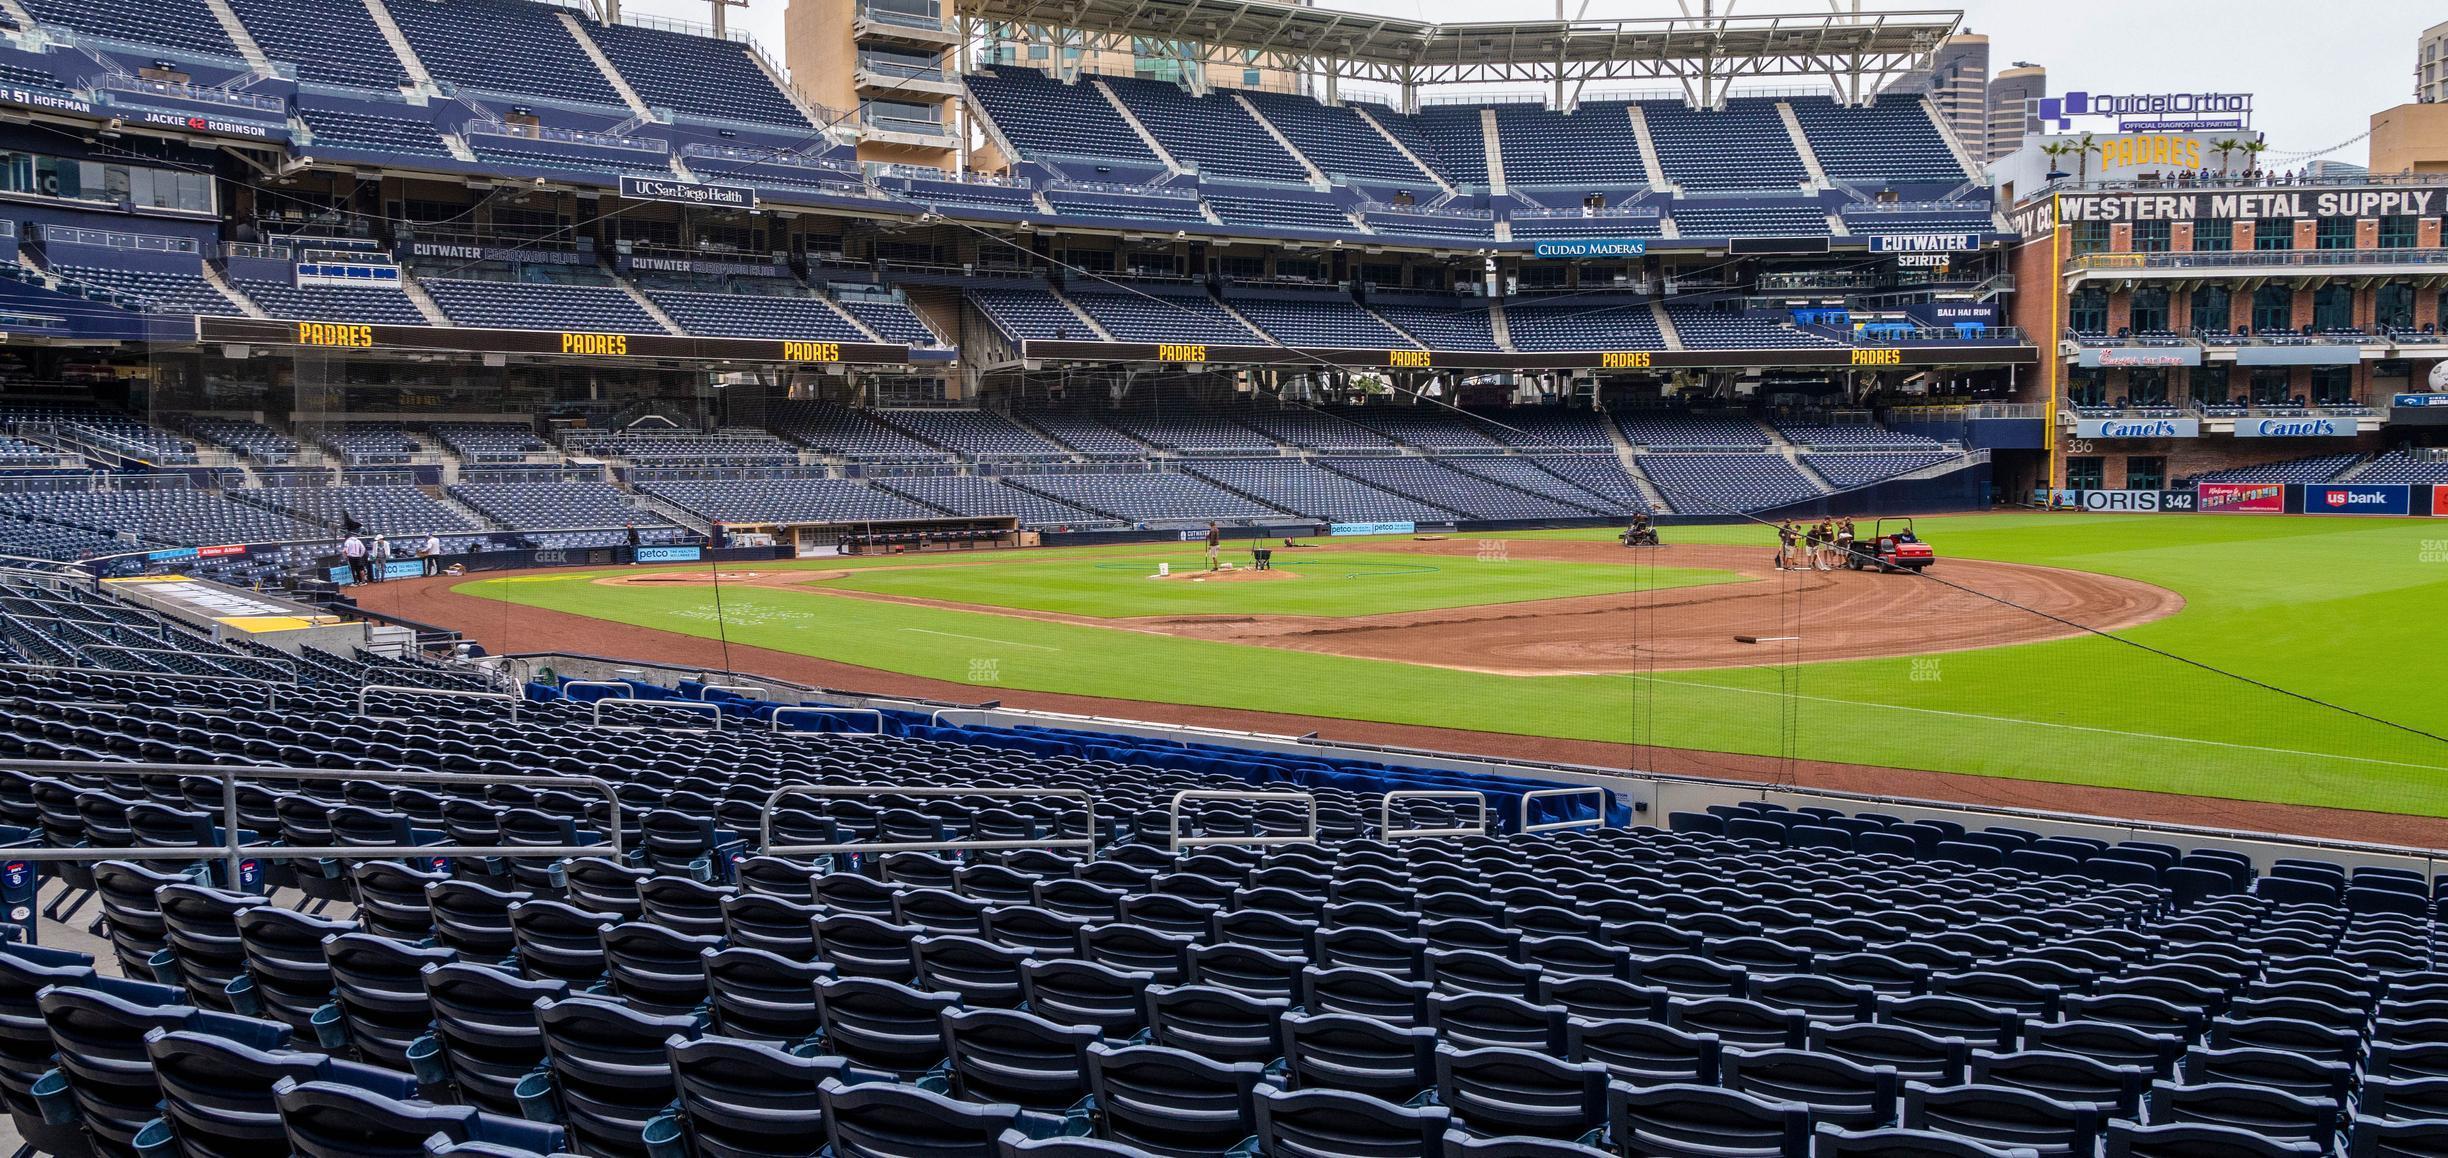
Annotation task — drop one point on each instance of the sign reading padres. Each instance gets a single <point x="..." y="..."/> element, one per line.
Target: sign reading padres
<point x="335" y="334"/>
<point x="1180" y="352"/>
<point x="1409" y="359"/>
<point x="811" y="351"/>
<point x="1862" y="357"/>
<point x="1624" y="360"/>
<point x="615" y="345"/>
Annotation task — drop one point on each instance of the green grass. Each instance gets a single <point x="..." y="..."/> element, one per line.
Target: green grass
<point x="2341" y="610"/>
<point x="1332" y="584"/>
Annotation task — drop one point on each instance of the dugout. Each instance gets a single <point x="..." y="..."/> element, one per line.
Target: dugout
<point x="897" y="537"/>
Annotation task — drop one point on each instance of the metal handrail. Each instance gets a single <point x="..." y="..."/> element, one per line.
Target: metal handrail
<point x="626" y="691"/>
<point x="362" y="693"/>
<point x="750" y="690"/>
<point x="1385" y="813"/>
<point x="595" y="715"/>
<point x="1598" y="821"/>
<point x="1178" y="842"/>
<point x="230" y="774"/>
<point x="766" y="845"/>
<point x="817" y="708"/>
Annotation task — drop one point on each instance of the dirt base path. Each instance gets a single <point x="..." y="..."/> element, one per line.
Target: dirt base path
<point x="506" y="627"/>
<point x="1816" y="616"/>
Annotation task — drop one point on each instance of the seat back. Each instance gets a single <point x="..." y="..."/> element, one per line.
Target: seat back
<point x="1170" y="1100"/>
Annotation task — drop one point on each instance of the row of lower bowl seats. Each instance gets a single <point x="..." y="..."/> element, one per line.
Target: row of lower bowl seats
<point x="1365" y="997"/>
<point x="1750" y="980"/>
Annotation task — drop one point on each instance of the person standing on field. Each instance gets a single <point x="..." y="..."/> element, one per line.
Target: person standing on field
<point x="1215" y="543"/>
<point x="431" y="554"/>
<point x="354" y="551"/>
<point x="1785" y="545"/>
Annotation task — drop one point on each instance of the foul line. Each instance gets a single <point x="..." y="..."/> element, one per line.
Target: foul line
<point x="979" y="638"/>
<point x="2043" y="724"/>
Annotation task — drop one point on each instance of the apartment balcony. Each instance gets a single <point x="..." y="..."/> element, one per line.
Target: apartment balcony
<point x="894" y="80"/>
<point x="873" y="23"/>
<point x="886" y="129"/>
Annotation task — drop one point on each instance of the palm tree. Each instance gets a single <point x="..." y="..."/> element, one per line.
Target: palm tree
<point x="2225" y="148"/>
<point x="2082" y="171"/>
<point x="2056" y="151"/>
<point x="2253" y="149"/>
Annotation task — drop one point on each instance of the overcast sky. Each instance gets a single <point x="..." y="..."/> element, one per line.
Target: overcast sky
<point x="2318" y="69"/>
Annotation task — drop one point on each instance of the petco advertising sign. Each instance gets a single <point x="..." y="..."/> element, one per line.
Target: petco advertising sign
<point x="2241" y="498"/>
<point x="2356" y="499"/>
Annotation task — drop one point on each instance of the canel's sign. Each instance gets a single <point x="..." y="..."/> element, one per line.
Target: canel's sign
<point x="2137" y="428"/>
<point x="2294" y="427"/>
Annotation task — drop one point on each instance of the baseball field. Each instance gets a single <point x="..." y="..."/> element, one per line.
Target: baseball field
<point x="2290" y="660"/>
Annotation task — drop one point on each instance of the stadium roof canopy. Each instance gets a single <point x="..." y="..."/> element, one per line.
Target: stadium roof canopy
<point x="1705" y="53"/>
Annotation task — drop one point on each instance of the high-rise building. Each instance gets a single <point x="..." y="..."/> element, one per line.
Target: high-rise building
<point x="2014" y="95"/>
<point x="2431" y="66"/>
<point x="1957" y="81"/>
<point x="1988" y="112"/>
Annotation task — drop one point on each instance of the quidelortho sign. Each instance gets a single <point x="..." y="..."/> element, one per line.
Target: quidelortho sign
<point x="2137" y="428"/>
<point x="2295" y="428"/>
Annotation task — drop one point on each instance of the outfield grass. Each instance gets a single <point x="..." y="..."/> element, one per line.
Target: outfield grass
<point x="2342" y="610"/>
<point x="1328" y="584"/>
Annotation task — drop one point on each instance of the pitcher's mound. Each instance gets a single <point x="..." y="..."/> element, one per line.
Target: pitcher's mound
<point x="1236" y="575"/>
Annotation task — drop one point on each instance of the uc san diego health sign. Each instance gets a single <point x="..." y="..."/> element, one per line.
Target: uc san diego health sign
<point x="636" y="188"/>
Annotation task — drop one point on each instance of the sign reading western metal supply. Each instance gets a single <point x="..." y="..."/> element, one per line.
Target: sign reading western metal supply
<point x="2295" y="428"/>
<point x="2137" y="428"/>
<point x="2294" y="204"/>
<point x="2356" y="499"/>
<point x="1926" y="242"/>
<point x="636" y="188"/>
<point x="1591" y="247"/>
